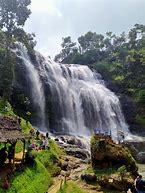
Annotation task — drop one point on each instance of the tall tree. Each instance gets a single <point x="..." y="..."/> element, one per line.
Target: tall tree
<point x="13" y="14"/>
<point x="69" y="49"/>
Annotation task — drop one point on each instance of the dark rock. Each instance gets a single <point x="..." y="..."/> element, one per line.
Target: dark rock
<point x="77" y="152"/>
<point x="129" y="109"/>
<point x="64" y="165"/>
<point x="141" y="157"/>
<point x="137" y="149"/>
<point x="113" y="86"/>
<point x="89" y="178"/>
<point x="115" y="183"/>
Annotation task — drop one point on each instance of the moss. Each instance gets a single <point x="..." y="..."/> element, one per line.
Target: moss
<point x="111" y="155"/>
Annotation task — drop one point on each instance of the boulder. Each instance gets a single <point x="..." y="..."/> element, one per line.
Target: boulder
<point x="89" y="178"/>
<point x="78" y="152"/>
<point x="106" y="153"/>
<point x="114" y="182"/>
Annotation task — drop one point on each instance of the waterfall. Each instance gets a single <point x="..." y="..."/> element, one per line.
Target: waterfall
<point x="77" y="101"/>
<point x="36" y="87"/>
<point x="80" y="102"/>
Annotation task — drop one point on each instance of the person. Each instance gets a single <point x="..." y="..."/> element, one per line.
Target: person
<point x="140" y="184"/>
<point x="46" y="143"/>
<point x="32" y="132"/>
<point x="41" y="144"/>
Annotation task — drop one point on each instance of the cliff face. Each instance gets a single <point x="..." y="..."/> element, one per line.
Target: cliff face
<point x="106" y="153"/>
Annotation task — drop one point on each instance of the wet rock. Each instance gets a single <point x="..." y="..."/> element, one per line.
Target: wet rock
<point x="77" y="152"/>
<point x="137" y="149"/>
<point x="89" y="178"/>
<point x="74" y="146"/>
<point x="141" y="157"/>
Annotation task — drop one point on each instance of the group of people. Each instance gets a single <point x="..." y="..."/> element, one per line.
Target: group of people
<point x="140" y="184"/>
<point x="37" y="137"/>
<point x="43" y="144"/>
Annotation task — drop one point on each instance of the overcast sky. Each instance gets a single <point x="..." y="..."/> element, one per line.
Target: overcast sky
<point x="53" y="19"/>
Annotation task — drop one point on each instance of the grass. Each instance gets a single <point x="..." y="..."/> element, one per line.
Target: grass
<point x="31" y="180"/>
<point x="71" y="187"/>
<point x="50" y="158"/>
<point x="101" y="172"/>
<point x="37" y="179"/>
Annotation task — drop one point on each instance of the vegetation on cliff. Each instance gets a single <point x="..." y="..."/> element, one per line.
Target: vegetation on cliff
<point x="106" y="153"/>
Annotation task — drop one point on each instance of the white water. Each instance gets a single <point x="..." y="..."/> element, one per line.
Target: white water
<point x="84" y="103"/>
<point x="79" y="100"/>
<point x="36" y="90"/>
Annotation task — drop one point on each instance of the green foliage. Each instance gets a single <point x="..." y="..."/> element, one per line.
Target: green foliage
<point x="50" y="158"/>
<point x="71" y="187"/>
<point x="140" y="120"/>
<point x="120" y="58"/>
<point x="69" y="49"/>
<point x="122" y="169"/>
<point x="141" y="97"/>
<point x="38" y="176"/>
<point x="13" y="14"/>
<point x="5" y="108"/>
<point x="26" y="126"/>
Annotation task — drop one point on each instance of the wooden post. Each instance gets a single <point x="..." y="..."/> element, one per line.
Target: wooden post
<point x="24" y="142"/>
<point x="14" y="145"/>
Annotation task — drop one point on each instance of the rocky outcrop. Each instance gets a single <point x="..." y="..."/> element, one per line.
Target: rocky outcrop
<point x="89" y="178"/>
<point x="74" y="146"/>
<point x="106" y="153"/>
<point x="137" y="149"/>
<point x="114" y="182"/>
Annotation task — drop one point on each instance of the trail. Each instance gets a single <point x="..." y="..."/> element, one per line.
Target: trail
<point x="56" y="185"/>
<point x="76" y="168"/>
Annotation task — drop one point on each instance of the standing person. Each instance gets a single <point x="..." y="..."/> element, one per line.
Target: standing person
<point x="140" y="184"/>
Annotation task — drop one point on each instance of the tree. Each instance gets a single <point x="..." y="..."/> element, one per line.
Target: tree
<point x="13" y="14"/>
<point x="68" y="51"/>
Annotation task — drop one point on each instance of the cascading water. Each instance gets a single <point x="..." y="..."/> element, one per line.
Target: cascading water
<point x="80" y="102"/>
<point x="77" y="101"/>
<point x="37" y="92"/>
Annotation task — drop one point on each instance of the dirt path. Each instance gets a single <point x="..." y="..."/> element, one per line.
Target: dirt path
<point x="76" y="168"/>
<point x="57" y="182"/>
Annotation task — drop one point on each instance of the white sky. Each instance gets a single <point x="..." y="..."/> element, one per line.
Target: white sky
<point x="53" y="19"/>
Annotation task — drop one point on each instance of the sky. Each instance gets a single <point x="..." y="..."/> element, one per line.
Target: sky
<point x="53" y="19"/>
